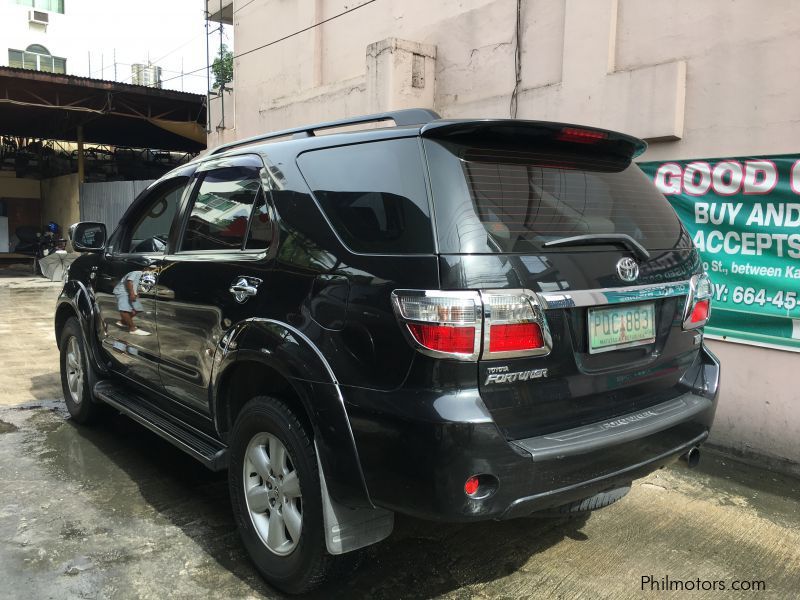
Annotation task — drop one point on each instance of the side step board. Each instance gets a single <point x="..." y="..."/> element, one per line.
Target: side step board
<point x="204" y="448"/>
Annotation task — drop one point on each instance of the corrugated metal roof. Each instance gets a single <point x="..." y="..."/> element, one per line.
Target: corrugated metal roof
<point x="91" y="82"/>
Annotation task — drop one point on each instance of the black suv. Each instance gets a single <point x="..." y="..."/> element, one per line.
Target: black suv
<point x="457" y="320"/>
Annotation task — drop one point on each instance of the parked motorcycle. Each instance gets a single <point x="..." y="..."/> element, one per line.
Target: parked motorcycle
<point x="39" y="243"/>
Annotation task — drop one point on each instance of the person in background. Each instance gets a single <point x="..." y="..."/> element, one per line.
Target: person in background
<point x="128" y="302"/>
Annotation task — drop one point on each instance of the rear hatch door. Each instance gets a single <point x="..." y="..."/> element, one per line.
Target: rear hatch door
<point x="509" y="198"/>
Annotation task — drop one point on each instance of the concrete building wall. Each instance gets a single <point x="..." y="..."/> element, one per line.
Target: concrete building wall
<point x="13" y="187"/>
<point x="61" y="200"/>
<point x="696" y="79"/>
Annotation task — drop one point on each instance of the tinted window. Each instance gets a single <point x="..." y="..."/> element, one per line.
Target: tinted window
<point x="151" y="230"/>
<point x="507" y="199"/>
<point x="373" y="194"/>
<point x="221" y="209"/>
<point x="259" y="235"/>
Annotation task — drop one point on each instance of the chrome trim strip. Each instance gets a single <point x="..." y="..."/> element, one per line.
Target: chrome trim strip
<point x="619" y="295"/>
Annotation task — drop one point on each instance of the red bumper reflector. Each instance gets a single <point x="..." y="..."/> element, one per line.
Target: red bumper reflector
<point x="471" y="486"/>
<point x="444" y="339"/>
<point x="519" y="336"/>
<point x="700" y="311"/>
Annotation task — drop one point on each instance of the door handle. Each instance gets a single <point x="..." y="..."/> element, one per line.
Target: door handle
<point x="244" y="288"/>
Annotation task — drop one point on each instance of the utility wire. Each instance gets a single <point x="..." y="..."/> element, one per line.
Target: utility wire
<point x="186" y="43"/>
<point x="286" y="37"/>
<point x="244" y="6"/>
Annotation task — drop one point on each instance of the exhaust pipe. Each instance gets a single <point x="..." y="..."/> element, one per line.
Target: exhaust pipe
<point x="691" y="458"/>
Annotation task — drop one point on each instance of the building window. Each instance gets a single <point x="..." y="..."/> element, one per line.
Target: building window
<point x="37" y="58"/>
<point x="56" y="6"/>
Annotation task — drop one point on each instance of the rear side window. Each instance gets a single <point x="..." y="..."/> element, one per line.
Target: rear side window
<point x="259" y="235"/>
<point x="514" y="199"/>
<point x="221" y="211"/>
<point x="373" y="195"/>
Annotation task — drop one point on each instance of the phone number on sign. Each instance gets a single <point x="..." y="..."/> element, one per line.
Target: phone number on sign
<point x="749" y="296"/>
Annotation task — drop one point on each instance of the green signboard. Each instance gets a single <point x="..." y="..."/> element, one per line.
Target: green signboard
<point x="744" y="217"/>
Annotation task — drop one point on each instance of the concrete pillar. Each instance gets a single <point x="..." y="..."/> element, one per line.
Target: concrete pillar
<point x="81" y="168"/>
<point x="400" y="74"/>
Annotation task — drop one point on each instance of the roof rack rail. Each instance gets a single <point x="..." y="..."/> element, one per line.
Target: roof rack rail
<point x="409" y="116"/>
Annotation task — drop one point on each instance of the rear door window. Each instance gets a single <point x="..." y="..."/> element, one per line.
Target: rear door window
<point x="506" y="199"/>
<point x="220" y="215"/>
<point x="373" y="194"/>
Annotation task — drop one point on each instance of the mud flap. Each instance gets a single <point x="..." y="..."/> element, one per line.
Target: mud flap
<point x="348" y="529"/>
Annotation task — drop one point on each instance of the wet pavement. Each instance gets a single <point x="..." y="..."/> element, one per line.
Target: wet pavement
<point x="115" y="512"/>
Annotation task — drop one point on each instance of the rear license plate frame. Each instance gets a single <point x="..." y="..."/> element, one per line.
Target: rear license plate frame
<point x="620" y="345"/>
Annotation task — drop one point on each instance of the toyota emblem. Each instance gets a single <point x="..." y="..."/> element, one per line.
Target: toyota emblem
<point x="627" y="269"/>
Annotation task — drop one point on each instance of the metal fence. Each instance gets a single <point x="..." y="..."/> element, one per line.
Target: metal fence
<point x="106" y="202"/>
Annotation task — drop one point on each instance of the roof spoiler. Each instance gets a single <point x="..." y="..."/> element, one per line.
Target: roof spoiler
<point x="577" y="136"/>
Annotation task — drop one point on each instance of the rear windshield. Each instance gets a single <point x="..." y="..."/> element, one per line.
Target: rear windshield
<point x="373" y="195"/>
<point x="501" y="199"/>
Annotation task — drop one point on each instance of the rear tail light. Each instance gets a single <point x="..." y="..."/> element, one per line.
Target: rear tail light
<point x="698" y="302"/>
<point x="467" y="325"/>
<point x="515" y="325"/>
<point x="442" y="324"/>
<point x="443" y="338"/>
<point x="519" y="336"/>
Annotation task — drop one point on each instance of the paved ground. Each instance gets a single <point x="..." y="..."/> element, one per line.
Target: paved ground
<point x="114" y="512"/>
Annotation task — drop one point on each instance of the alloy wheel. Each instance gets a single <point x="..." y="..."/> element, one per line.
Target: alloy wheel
<point x="272" y="493"/>
<point x="74" y="367"/>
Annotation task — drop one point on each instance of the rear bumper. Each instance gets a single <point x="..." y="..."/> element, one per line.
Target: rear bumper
<point x="418" y="466"/>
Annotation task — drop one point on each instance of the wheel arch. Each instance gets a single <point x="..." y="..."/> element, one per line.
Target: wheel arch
<point x="76" y="301"/>
<point x="64" y="310"/>
<point x="266" y="357"/>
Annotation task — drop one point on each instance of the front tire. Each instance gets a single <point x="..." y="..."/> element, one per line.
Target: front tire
<point x="75" y="380"/>
<point x="276" y="498"/>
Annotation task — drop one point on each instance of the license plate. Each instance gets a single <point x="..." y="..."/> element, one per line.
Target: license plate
<point x="621" y="327"/>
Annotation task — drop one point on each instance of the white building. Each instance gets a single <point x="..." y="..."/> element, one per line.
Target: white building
<point x="103" y="39"/>
<point x="35" y="35"/>
<point x="146" y="75"/>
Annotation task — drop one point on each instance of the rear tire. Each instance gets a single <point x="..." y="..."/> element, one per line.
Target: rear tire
<point x="276" y="498"/>
<point x="75" y="380"/>
<point x="587" y="505"/>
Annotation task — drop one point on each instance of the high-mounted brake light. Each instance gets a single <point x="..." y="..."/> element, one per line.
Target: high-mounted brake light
<point x="698" y="302"/>
<point x="581" y="136"/>
<point x="469" y="324"/>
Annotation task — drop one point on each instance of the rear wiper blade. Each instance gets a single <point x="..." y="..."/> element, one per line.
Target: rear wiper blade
<point x="592" y="239"/>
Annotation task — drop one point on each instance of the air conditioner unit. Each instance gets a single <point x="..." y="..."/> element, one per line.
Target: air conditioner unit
<point x="39" y="17"/>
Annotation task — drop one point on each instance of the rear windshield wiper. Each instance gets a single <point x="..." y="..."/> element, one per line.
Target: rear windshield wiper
<point x="594" y="239"/>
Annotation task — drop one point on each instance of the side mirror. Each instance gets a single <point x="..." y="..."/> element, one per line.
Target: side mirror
<point x="88" y="236"/>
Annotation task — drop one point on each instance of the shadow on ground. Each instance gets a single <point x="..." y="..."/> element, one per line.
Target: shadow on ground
<point x="420" y="560"/>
